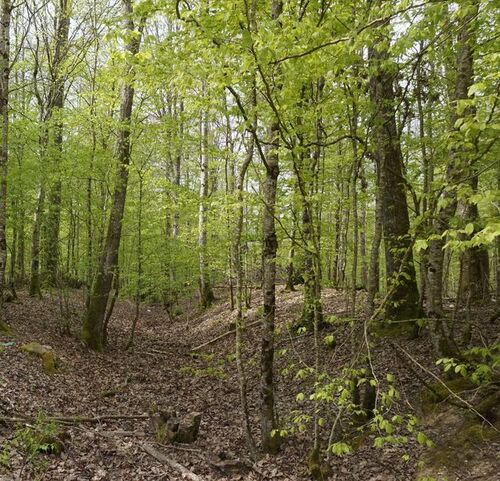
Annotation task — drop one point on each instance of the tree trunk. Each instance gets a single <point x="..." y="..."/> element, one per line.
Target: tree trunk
<point x="4" y="146"/>
<point x="374" y="267"/>
<point x="54" y="108"/>
<point x="238" y="274"/>
<point x="354" y="208"/>
<point x="458" y="168"/>
<point x="92" y="329"/>
<point x="206" y="293"/>
<point x="270" y="442"/>
<point x="362" y="234"/>
<point x="307" y="177"/>
<point x="35" y="285"/>
<point x="400" y="270"/>
<point x="138" y="289"/>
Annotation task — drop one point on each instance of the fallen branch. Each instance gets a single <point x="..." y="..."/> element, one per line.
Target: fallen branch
<point x="185" y="472"/>
<point x="154" y="352"/>
<point x="228" y="333"/>
<point x="73" y="419"/>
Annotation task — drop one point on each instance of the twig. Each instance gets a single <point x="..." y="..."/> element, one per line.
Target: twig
<point x="186" y="473"/>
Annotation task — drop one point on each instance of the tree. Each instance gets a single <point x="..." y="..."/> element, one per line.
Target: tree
<point x="400" y="271"/>
<point x="206" y="293"/>
<point x="5" y="16"/>
<point x="92" y="329"/>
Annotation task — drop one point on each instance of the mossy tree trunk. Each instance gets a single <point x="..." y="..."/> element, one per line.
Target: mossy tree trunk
<point x="400" y="270"/>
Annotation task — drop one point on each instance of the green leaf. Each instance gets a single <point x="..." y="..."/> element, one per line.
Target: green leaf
<point x="421" y="438"/>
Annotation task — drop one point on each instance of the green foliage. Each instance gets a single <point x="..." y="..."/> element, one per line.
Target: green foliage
<point x="478" y="364"/>
<point x="33" y="441"/>
<point x="214" y="368"/>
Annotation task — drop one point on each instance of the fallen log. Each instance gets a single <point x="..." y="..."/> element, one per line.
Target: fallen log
<point x="228" y="333"/>
<point x="164" y="459"/>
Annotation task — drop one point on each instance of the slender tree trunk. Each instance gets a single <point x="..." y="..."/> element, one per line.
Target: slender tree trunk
<point x="5" y="15"/>
<point x="426" y="187"/>
<point x="336" y="246"/>
<point x="307" y="173"/>
<point x="35" y="283"/>
<point x="290" y="268"/>
<point x="138" y="290"/>
<point x="354" y="208"/>
<point x="237" y="265"/>
<point x="270" y="443"/>
<point x="206" y="293"/>
<point x="54" y="109"/>
<point x="230" y="181"/>
<point x="92" y="329"/>
<point x="374" y="268"/>
<point x="362" y="234"/>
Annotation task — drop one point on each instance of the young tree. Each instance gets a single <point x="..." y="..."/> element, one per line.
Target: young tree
<point x="5" y="17"/>
<point x="206" y="292"/>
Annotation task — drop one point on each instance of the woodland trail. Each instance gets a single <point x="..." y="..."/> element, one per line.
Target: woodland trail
<point x="160" y="370"/>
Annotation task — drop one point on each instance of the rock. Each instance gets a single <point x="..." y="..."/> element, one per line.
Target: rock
<point x="188" y="428"/>
<point x="45" y="353"/>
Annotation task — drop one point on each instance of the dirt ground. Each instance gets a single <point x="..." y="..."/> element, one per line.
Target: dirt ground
<point x="160" y="370"/>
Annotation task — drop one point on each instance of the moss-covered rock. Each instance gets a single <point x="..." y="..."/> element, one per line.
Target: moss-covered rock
<point x="45" y="353"/>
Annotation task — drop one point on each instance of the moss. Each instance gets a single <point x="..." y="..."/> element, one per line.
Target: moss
<point x="395" y="329"/>
<point x="45" y="353"/>
<point x="49" y="362"/>
<point x="5" y="329"/>
<point x="318" y="469"/>
<point x="438" y="392"/>
<point x="474" y="433"/>
<point x="463" y="441"/>
<point x="489" y="407"/>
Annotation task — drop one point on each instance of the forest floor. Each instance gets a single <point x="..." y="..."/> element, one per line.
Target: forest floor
<point x="161" y="370"/>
